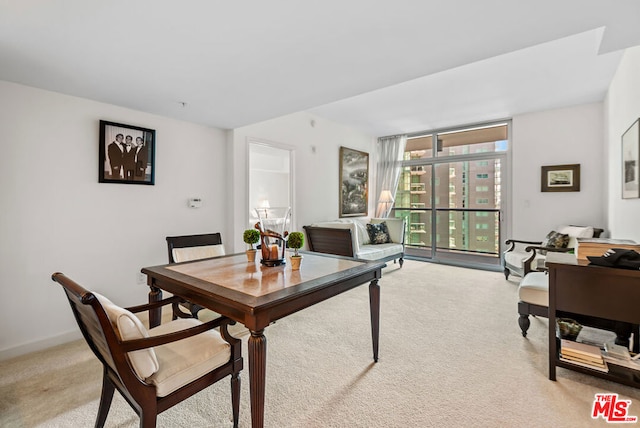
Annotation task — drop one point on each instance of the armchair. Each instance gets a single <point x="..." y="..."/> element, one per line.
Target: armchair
<point x="523" y="257"/>
<point x="153" y="369"/>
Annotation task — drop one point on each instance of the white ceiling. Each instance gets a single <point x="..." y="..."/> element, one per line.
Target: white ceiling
<point x="383" y="67"/>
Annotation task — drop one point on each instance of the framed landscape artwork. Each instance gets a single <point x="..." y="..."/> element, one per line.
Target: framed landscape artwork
<point x="354" y="179"/>
<point x="126" y="154"/>
<point x="630" y="161"/>
<point x="560" y="178"/>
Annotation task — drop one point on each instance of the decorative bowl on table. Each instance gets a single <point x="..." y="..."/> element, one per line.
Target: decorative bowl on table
<point x="569" y="329"/>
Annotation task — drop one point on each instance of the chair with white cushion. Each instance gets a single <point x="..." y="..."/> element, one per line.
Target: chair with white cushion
<point x="194" y="247"/>
<point x="523" y="257"/>
<point x="533" y="299"/>
<point x="153" y="369"/>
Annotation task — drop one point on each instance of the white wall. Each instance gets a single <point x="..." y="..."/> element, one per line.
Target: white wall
<point x="555" y="137"/>
<point x="622" y="108"/>
<point x="316" y="152"/>
<point x="56" y="216"/>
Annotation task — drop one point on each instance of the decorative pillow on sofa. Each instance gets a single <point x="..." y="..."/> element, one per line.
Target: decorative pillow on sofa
<point x="555" y="240"/>
<point x="378" y="233"/>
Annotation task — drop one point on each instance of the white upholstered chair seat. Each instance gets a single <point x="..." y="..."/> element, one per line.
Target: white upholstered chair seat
<point x="186" y="360"/>
<point x="534" y="289"/>
<point x="375" y="252"/>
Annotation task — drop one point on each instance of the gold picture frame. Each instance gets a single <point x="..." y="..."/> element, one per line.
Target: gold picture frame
<point x="354" y="183"/>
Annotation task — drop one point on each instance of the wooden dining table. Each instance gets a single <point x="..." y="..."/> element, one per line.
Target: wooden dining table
<point x="256" y="295"/>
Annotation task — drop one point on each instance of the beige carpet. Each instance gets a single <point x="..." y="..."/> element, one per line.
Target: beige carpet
<point x="451" y="355"/>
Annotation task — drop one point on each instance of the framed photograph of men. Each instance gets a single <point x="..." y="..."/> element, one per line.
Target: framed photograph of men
<point x="354" y="180"/>
<point x="126" y="154"/>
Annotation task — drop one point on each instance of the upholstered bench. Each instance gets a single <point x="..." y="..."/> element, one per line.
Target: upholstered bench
<point x="533" y="294"/>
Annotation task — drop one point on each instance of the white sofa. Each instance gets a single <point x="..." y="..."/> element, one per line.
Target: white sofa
<point x="349" y="237"/>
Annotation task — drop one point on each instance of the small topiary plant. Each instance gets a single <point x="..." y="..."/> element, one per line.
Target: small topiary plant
<point x="295" y="241"/>
<point x="251" y="237"/>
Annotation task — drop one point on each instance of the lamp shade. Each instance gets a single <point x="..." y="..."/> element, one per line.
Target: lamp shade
<point x="385" y="197"/>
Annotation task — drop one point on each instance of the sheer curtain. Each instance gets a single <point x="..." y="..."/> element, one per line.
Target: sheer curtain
<point x="390" y="152"/>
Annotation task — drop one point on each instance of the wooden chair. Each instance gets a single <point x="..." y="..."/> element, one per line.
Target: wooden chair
<point x="523" y="257"/>
<point x="155" y="377"/>
<point x="193" y="247"/>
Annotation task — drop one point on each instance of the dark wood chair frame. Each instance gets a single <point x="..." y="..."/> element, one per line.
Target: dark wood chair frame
<point x="533" y="247"/>
<point x="117" y="370"/>
<point x="188" y="241"/>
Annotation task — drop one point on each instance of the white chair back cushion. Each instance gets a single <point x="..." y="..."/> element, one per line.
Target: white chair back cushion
<point x="196" y="253"/>
<point x="534" y="289"/>
<point x="129" y="327"/>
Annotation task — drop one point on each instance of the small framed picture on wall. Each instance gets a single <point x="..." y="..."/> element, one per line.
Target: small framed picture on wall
<point x="560" y="178"/>
<point x="126" y="154"/>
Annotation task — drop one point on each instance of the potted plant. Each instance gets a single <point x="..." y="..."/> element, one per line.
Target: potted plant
<point x="295" y="241"/>
<point x="251" y="237"/>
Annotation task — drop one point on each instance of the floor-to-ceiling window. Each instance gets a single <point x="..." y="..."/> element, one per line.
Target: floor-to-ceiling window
<point x="452" y="194"/>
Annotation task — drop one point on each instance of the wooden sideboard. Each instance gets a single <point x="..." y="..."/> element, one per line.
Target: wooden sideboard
<point x="596" y="291"/>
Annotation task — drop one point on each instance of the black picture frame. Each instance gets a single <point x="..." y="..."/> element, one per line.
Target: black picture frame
<point x="631" y="161"/>
<point x="126" y="154"/>
<point x="354" y="183"/>
<point x="560" y="178"/>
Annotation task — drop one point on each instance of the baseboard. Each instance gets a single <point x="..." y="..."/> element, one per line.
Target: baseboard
<point x="69" y="336"/>
<point x="39" y="345"/>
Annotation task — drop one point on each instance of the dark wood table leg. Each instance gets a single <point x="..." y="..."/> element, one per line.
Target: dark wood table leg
<point x="155" y="315"/>
<point x="374" y="307"/>
<point x="257" y="347"/>
<point x="553" y="344"/>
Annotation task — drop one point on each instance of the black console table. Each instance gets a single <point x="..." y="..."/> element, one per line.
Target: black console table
<point x="596" y="291"/>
